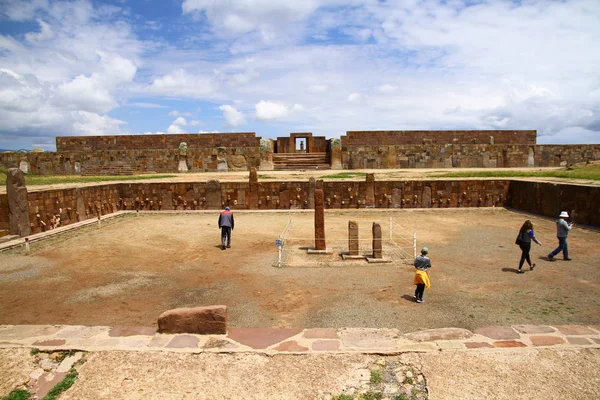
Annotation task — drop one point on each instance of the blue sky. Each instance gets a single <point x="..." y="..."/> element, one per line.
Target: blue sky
<point x="276" y="66"/>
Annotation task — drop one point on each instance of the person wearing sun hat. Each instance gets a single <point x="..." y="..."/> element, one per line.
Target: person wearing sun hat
<point x="422" y="264"/>
<point x="562" y="231"/>
<point x="226" y="225"/>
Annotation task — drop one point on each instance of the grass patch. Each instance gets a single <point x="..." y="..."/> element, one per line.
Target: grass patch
<point x="588" y="172"/>
<point x="371" y="395"/>
<point x="37" y="180"/>
<point x="34" y="351"/>
<point x="261" y="176"/>
<point x="62" y="385"/>
<point x="18" y="394"/>
<point x="343" y="397"/>
<point x="344" y="175"/>
<point x="376" y="377"/>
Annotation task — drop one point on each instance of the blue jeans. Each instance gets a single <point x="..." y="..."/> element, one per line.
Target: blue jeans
<point x="562" y="245"/>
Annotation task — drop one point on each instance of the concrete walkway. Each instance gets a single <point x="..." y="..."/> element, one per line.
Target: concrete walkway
<point x="503" y="362"/>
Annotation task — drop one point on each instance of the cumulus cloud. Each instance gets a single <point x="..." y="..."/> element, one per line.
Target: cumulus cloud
<point x="266" y="110"/>
<point x="232" y="116"/>
<point x="182" y="83"/>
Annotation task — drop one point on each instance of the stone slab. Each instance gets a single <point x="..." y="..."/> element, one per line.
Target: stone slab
<point x="534" y="329"/>
<point x="314" y="251"/>
<point x="159" y="341"/>
<point x="291" y="346"/>
<point x="498" y="332"/>
<point x="431" y="335"/>
<point x="450" y="345"/>
<point x="478" y="345"/>
<point x="351" y="257"/>
<point x="216" y="343"/>
<point x="46" y="382"/>
<point x="69" y="361"/>
<point x="131" y="331"/>
<point x="261" y="338"/>
<point x="183" y="342"/>
<point x="578" y="341"/>
<point x="574" y="330"/>
<point x="27" y="331"/>
<point x="50" y="343"/>
<point x="199" y="320"/>
<point x="509" y="343"/>
<point x="321" y="333"/>
<point x="367" y="338"/>
<point x="326" y="345"/>
<point x="546" y="340"/>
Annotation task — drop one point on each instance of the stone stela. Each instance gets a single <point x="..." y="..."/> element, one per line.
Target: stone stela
<point x="377" y="246"/>
<point x="320" y="245"/>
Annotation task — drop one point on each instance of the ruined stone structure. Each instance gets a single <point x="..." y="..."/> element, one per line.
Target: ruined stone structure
<point x="18" y="207"/>
<point x="129" y="154"/>
<point x="319" y="221"/>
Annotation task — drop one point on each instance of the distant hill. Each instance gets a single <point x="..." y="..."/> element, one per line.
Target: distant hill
<point x="3" y="150"/>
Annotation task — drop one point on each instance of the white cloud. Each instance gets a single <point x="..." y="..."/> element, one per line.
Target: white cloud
<point x="266" y="110"/>
<point x="173" y="128"/>
<point x="387" y="88"/>
<point x="44" y="33"/>
<point x="233" y="116"/>
<point x="180" y="121"/>
<point x="176" y="113"/>
<point x="182" y="83"/>
<point x="194" y="122"/>
<point x="353" y="97"/>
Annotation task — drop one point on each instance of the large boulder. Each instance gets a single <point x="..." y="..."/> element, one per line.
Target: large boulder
<point x="200" y="320"/>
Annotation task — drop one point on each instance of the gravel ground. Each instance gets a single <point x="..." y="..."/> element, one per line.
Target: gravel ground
<point x="134" y="268"/>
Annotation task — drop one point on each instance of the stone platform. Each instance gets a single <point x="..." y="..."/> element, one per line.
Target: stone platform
<point x="297" y="340"/>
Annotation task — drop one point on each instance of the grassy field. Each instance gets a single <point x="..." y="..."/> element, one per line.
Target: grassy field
<point x="344" y="175"/>
<point x="589" y="172"/>
<point x="35" y="180"/>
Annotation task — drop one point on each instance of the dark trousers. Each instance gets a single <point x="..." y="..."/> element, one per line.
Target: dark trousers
<point x="225" y="236"/>
<point x="525" y="249"/>
<point x="419" y="291"/>
<point x="562" y="246"/>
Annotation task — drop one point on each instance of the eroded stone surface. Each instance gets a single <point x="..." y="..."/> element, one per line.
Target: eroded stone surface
<point x="291" y="346"/>
<point x="509" y="343"/>
<point x="477" y="345"/>
<point x="183" y="341"/>
<point x="326" y="345"/>
<point x="575" y="330"/>
<point x="431" y="335"/>
<point x="534" y="329"/>
<point x="50" y="343"/>
<point x="578" y="340"/>
<point x="321" y="333"/>
<point x="18" y="206"/>
<point x="498" y="332"/>
<point x="319" y="221"/>
<point x="261" y="338"/>
<point x="546" y="340"/>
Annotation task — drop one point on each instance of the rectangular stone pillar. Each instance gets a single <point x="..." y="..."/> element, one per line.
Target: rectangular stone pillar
<point x="352" y="238"/>
<point x="370" y="191"/>
<point x="377" y="245"/>
<point x="253" y="183"/>
<point x="18" y="206"/>
<point x="319" y="221"/>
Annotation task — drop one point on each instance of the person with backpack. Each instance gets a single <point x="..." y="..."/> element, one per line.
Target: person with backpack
<point x="526" y="235"/>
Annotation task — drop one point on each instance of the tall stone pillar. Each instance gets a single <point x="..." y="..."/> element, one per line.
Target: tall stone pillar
<point x="352" y="238"/>
<point x="336" y="154"/>
<point x="377" y="245"/>
<point x="319" y="221"/>
<point x="18" y="207"/>
<point x="213" y="195"/>
<point x="253" y="182"/>
<point x="370" y="191"/>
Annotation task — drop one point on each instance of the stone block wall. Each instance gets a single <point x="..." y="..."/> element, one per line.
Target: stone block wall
<point x="140" y="161"/>
<point x="386" y="138"/>
<point x="143" y="142"/>
<point x="549" y="199"/>
<point x="466" y="156"/>
<point x="72" y="205"/>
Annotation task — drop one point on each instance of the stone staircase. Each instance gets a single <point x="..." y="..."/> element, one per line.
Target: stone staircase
<point x="112" y="170"/>
<point x="298" y="161"/>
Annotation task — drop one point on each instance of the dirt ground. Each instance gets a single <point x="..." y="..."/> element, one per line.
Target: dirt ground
<point x="133" y="268"/>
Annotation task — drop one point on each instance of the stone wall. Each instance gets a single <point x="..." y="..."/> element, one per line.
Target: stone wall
<point x="465" y="156"/>
<point x="549" y="199"/>
<point x="140" y="161"/>
<point x="385" y="138"/>
<point x="143" y="142"/>
<point x="72" y="205"/>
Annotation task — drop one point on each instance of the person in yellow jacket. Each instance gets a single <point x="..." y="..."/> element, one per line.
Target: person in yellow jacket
<point x="422" y="264"/>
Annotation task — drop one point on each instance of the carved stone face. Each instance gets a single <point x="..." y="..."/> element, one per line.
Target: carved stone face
<point x="183" y="148"/>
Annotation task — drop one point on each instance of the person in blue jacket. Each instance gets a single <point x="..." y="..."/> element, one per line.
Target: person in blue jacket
<point x="226" y="225"/>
